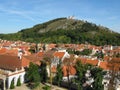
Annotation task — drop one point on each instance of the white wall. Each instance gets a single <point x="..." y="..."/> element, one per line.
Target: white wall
<point x="66" y="55"/>
<point x="15" y="77"/>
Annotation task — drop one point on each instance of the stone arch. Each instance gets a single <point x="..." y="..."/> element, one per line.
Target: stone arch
<point x="15" y="80"/>
<point x="19" y="80"/>
<point x="12" y="83"/>
<point x="25" y="78"/>
<point x="6" y="83"/>
<point x="1" y="84"/>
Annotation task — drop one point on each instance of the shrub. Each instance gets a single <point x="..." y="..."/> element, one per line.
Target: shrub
<point x="46" y="87"/>
<point x="18" y="82"/>
<point x="12" y="85"/>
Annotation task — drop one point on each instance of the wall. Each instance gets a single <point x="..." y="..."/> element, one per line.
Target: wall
<point x="15" y="76"/>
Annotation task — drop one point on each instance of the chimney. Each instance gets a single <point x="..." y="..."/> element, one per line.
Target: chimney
<point x="16" y="69"/>
<point x="20" y="55"/>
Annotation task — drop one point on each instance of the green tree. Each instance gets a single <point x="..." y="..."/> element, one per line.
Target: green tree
<point x="86" y="52"/>
<point x="33" y="74"/>
<point x="18" y="82"/>
<point x="43" y="72"/>
<point x="46" y="87"/>
<point x="98" y="82"/>
<point x="97" y="73"/>
<point x="70" y="51"/>
<point x="59" y="74"/>
<point x="80" y="73"/>
<point x="99" y="55"/>
<point x="88" y="67"/>
<point x="48" y="57"/>
<point x="12" y="86"/>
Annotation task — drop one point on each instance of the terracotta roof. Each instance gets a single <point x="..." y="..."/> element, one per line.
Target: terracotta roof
<point x="40" y="54"/>
<point x="116" y="59"/>
<point x="116" y="50"/>
<point x="52" y="45"/>
<point x="72" y="70"/>
<point x="64" y="70"/>
<point x="34" y="59"/>
<point x="59" y="54"/>
<point x="93" y="62"/>
<point x="89" y="61"/>
<point x="70" y="60"/>
<point x="114" y="64"/>
<point x="25" y="62"/>
<point x="53" y="69"/>
<point x="104" y="65"/>
<point x="3" y="50"/>
<point x="83" y="60"/>
<point x="7" y="44"/>
<point x="10" y="62"/>
<point x="12" y="52"/>
<point x="106" y="58"/>
<point x="24" y="47"/>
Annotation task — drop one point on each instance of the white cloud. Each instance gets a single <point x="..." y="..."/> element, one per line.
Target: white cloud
<point x="20" y="13"/>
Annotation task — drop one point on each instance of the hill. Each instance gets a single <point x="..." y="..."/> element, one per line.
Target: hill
<point x="66" y="30"/>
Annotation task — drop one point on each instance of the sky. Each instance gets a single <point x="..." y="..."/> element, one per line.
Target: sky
<point x="16" y="15"/>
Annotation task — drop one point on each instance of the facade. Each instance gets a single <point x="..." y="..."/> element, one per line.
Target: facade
<point x="7" y="77"/>
<point x="11" y="69"/>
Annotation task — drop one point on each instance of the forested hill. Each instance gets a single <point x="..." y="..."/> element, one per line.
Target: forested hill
<point x="66" y="30"/>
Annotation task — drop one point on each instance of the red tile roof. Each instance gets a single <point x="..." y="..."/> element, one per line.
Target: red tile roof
<point x="52" y="46"/>
<point x="114" y="64"/>
<point x="3" y="50"/>
<point x="70" y="60"/>
<point x="106" y="58"/>
<point x="12" y="52"/>
<point x="59" y="54"/>
<point x="83" y="60"/>
<point x="70" y="69"/>
<point x="104" y="65"/>
<point x="89" y="61"/>
<point x="10" y="62"/>
<point x="7" y="44"/>
<point x="34" y="59"/>
<point x="40" y="54"/>
<point x="93" y="62"/>
<point x="25" y="62"/>
<point x="53" y="69"/>
<point x="64" y="70"/>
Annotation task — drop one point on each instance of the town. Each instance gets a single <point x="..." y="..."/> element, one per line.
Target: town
<point x="70" y="66"/>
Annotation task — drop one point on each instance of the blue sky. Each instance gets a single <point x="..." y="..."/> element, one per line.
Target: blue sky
<point x="19" y="14"/>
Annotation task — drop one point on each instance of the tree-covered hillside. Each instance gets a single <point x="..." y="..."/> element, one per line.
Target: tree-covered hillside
<point x="63" y="30"/>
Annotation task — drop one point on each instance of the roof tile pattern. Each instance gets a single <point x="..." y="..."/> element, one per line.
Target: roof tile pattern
<point x="11" y="62"/>
<point x="59" y="54"/>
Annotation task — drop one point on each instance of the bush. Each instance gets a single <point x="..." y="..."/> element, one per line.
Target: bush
<point x="18" y="82"/>
<point x="46" y="87"/>
<point x="12" y="85"/>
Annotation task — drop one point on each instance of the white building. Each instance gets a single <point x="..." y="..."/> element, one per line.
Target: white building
<point x="11" y="69"/>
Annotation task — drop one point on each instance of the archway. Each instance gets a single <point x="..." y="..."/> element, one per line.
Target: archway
<point x="1" y="84"/>
<point x="6" y="83"/>
<point x="19" y="81"/>
<point x="12" y="84"/>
